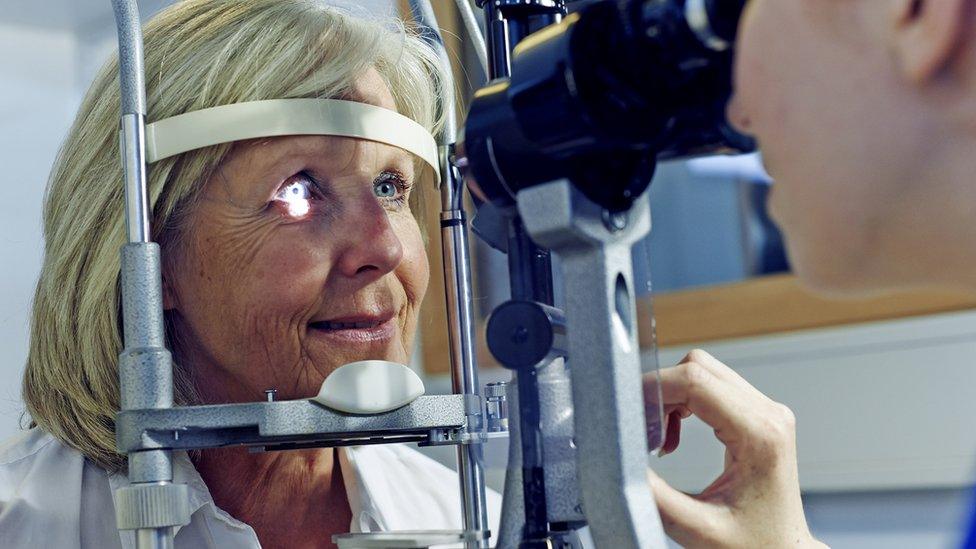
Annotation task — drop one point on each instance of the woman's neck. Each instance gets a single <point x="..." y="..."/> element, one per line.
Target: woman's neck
<point x="291" y="498"/>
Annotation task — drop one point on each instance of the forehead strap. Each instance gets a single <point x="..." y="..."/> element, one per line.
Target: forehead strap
<point x="280" y="117"/>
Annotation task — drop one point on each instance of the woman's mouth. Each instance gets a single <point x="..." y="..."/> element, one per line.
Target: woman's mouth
<point x="357" y="329"/>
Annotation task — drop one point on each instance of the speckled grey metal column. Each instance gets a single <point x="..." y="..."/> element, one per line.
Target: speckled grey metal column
<point x="151" y="505"/>
<point x="604" y="362"/>
<point x="562" y="488"/>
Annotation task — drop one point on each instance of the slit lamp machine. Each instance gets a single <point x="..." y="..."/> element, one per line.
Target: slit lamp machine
<point x="557" y="153"/>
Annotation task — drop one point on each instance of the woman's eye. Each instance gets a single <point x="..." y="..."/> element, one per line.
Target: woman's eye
<point x="296" y="196"/>
<point x="391" y="188"/>
<point x="385" y="189"/>
<point x="297" y="190"/>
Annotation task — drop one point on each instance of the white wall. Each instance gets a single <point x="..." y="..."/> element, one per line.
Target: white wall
<point x="38" y="96"/>
<point x="884" y="411"/>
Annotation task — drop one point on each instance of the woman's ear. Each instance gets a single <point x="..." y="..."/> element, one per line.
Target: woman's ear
<point x="928" y="34"/>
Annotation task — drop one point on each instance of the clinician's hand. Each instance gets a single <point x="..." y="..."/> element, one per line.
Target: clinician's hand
<point x="755" y="502"/>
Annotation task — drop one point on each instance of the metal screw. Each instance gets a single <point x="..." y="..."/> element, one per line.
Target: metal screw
<point x="496" y="407"/>
<point x="614" y="221"/>
<point x="271" y="393"/>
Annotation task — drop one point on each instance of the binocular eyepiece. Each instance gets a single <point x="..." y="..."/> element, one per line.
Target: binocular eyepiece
<point x="601" y="96"/>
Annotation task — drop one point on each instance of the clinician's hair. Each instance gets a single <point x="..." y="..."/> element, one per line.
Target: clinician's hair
<point x="198" y="54"/>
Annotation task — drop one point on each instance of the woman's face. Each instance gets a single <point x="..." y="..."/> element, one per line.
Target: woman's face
<point x="850" y="142"/>
<point x="303" y="255"/>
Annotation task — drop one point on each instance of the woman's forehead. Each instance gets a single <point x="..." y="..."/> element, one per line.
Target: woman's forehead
<point x="330" y="152"/>
<point x="370" y="88"/>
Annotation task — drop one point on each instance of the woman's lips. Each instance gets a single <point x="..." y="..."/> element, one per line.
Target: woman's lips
<point x="357" y="330"/>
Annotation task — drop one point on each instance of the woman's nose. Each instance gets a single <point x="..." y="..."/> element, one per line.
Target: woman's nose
<point x="371" y="247"/>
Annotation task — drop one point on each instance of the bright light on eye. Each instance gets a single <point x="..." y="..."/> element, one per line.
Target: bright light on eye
<point x="296" y="197"/>
<point x="298" y="208"/>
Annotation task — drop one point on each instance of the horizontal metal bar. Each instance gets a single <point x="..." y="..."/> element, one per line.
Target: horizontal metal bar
<point x="290" y="422"/>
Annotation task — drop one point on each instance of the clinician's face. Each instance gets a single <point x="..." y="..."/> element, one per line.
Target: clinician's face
<point x="302" y="256"/>
<point x="845" y="137"/>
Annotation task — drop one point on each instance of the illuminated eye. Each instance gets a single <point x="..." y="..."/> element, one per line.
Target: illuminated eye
<point x="296" y="197"/>
<point x="385" y="189"/>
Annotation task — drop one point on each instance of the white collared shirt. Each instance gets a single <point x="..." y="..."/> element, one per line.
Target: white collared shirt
<point x="51" y="496"/>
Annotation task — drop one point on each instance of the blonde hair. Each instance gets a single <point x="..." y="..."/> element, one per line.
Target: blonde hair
<point x="198" y="54"/>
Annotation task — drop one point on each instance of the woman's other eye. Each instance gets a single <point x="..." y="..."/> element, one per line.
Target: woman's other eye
<point x="390" y="187"/>
<point x="296" y="195"/>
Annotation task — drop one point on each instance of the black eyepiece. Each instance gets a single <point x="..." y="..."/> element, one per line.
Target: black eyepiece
<point x="601" y="96"/>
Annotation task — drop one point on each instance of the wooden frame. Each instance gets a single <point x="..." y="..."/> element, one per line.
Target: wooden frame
<point x="776" y="304"/>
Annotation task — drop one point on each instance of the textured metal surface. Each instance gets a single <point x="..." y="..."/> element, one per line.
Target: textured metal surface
<point x="604" y="359"/>
<point x="140" y="506"/>
<point x="130" y="56"/>
<point x="146" y="378"/>
<point x="513" y="507"/>
<point x="562" y="491"/>
<point x="410" y="539"/>
<point x="145" y="366"/>
<point x="145" y="371"/>
<point x="286" y="421"/>
<point x="150" y="466"/>
<point x="142" y="298"/>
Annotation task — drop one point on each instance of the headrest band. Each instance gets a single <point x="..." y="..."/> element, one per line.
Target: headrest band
<point x="278" y="117"/>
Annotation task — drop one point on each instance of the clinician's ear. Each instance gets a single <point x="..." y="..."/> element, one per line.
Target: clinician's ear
<point x="928" y="34"/>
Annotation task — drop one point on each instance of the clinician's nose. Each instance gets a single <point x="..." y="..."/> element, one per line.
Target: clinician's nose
<point x="370" y="246"/>
<point x="737" y="116"/>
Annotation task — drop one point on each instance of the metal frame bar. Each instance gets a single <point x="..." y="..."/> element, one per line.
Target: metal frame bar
<point x="458" y="290"/>
<point x="288" y="422"/>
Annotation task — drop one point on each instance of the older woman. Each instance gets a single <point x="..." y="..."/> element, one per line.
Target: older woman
<point x="285" y="258"/>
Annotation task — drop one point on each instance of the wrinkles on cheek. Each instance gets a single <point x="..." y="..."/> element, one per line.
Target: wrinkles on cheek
<point x="273" y="351"/>
<point x="238" y="246"/>
<point x="414" y="268"/>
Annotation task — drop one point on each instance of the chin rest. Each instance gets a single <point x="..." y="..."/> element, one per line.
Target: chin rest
<point x="370" y="387"/>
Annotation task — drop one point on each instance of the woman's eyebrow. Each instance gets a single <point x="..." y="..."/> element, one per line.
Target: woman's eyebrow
<point x="404" y="159"/>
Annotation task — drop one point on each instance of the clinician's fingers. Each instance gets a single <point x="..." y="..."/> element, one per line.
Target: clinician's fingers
<point x="688" y="521"/>
<point x="717" y="367"/>
<point x="719" y="402"/>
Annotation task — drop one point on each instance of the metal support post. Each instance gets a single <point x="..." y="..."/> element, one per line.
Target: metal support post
<point x="151" y="505"/>
<point x="594" y="247"/>
<point x="457" y="287"/>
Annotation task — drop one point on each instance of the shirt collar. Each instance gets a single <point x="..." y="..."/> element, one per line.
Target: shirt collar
<point x="200" y="499"/>
<point x="367" y="517"/>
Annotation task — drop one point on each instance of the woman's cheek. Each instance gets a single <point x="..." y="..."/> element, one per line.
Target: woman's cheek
<point x="414" y="269"/>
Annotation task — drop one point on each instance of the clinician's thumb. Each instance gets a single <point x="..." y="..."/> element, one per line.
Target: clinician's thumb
<point x="688" y="521"/>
